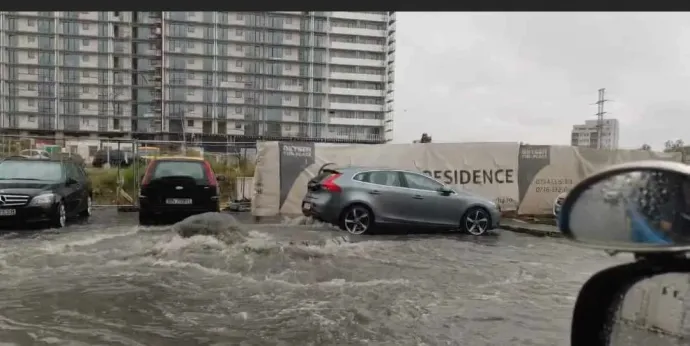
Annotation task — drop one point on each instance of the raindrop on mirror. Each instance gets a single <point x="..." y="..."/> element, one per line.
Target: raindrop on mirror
<point x="642" y="208"/>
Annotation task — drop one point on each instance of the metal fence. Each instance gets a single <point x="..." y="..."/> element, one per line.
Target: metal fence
<point x="116" y="166"/>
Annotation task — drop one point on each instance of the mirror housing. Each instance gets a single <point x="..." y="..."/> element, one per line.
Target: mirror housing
<point x="598" y="308"/>
<point x="445" y="190"/>
<point x="220" y="177"/>
<point x="71" y="181"/>
<point x="618" y="209"/>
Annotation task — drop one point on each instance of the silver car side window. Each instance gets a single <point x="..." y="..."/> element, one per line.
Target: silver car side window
<point x="386" y="178"/>
<point x="420" y="182"/>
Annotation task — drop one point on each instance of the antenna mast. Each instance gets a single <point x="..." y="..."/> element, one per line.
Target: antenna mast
<point x="600" y="115"/>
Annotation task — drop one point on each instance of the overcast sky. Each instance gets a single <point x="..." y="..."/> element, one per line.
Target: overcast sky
<point x="530" y="76"/>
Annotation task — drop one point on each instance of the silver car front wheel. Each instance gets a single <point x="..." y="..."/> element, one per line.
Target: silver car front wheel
<point x="357" y="220"/>
<point x="476" y="221"/>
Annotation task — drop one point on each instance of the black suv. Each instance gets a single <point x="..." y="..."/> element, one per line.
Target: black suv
<point x="114" y="157"/>
<point x="41" y="190"/>
<point x="178" y="186"/>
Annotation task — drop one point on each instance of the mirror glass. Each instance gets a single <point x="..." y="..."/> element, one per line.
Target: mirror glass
<point x="649" y="208"/>
<point x="653" y="313"/>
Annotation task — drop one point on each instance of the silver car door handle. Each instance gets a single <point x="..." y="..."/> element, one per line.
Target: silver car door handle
<point x="417" y="197"/>
<point x="375" y="192"/>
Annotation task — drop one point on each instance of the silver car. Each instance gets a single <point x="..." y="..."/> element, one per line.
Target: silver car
<point x="359" y="199"/>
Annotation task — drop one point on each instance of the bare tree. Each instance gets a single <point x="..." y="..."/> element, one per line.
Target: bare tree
<point x="674" y="145"/>
<point x="425" y="138"/>
<point x="646" y="147"/>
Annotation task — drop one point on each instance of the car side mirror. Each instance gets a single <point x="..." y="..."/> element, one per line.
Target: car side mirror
<point x="221" y="177"/>
<point x="445" y="190"/>
<point x="71" y="181"/>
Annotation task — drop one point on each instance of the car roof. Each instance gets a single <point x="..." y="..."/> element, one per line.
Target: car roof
<point x="372" y="168"/>
<point x="21" y="158"/>
<point x="179" y="158"/>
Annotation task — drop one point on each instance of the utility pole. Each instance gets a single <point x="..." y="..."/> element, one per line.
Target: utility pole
<point x="600" y="115"/>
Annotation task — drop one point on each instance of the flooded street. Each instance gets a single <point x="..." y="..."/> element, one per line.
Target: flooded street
<point x="110" y="282"/>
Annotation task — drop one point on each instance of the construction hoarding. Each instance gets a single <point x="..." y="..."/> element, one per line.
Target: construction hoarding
<point x="526" y="178"/>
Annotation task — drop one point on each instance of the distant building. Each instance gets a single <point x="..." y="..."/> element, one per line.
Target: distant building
<point x="308" y="76"/>
<point x="586" y="135"/>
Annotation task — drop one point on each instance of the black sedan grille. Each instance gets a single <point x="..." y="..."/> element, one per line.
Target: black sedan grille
<point x="13" y="200"/>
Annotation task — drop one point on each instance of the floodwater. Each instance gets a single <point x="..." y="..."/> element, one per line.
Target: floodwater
<point x="110" y="282"/>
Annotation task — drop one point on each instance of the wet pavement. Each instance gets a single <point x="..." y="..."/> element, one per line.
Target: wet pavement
<point x="110" y="282"/>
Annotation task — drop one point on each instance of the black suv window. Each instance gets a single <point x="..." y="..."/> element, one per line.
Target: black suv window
<point x="31" y="170"/>
<point x="193" y="169"/>
<point x="388" y="178"/>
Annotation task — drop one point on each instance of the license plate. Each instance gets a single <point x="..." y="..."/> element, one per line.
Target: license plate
<point x="306" y="206"/>
<point x="8" y="212"/>
<point x="178" y="201"/>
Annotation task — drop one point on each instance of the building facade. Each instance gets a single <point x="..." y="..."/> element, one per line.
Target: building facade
<point x="586" y="135"/>
<point x="315" y="76"/>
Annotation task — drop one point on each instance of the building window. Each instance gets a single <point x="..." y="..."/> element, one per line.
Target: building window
<point x="190" y="122"/>
<point x="85" y="26"/>
<point x="238" y="110"/>
<point x="85" y="42"/>
<point x="85" y="89"/>
<point x="31" y="39"/>
<point x="30" y="54"/>
<point x="238" y="94"/>
<point x="239" y="16"/>
<point x="84" y="58"/>
<point x="85" y="74"/>
<point x="30" y="102"/>
<point x="32" y="119"/>
<point x="239" y="63"/>
<point x="84" y="105"/>
<point x="30" y="22"/>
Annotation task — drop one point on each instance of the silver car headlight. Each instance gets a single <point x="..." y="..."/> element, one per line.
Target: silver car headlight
<point x="44" y="199"/>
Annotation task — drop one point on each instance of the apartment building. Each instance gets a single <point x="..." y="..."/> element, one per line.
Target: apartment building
<point x="586" y="135"/>
<point x="315" y="76"/>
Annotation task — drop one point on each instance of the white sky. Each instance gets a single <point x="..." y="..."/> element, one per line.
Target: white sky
<point x="530" y="76"/>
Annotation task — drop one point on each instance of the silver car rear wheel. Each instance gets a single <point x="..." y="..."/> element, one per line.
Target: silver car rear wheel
<point x="476" y="221"/>
<point x="357" y="220"/>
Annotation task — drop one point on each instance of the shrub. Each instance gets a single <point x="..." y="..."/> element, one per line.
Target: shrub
<point x="105" y="180"/>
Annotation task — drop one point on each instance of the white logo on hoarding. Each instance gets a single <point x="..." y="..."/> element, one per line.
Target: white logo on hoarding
<point x="297" y="151"/>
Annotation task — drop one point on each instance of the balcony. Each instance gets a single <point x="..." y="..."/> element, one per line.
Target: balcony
<point x="357" y="46"/>
<point x="359" y="16"/>
<point x="357" y="92"/>
<point x="357" y="31"/>
<point x="355" y="122"/>
<point x="357" y="77"/>
<point x="358" y="62"/>
<point x="357" y="107"/>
